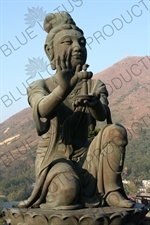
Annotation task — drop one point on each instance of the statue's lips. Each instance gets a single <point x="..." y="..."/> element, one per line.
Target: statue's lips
<point x="77" y="57"/>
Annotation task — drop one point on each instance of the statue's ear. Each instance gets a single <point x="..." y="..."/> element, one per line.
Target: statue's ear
<point x="47" y="51"/>
<point x="50" y="55"/>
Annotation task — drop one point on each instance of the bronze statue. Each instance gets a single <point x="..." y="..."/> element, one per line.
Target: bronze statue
<point x="72" y="169"/>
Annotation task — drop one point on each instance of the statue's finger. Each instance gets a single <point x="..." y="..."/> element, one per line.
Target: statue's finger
<point x="63" y="60"/>
<point x="58" y="67"/>
<point x="86" y="102"/>
<point x="68" y="58"/>
<point x="90" y="74"/>
<point x="78" y="68"/>
<point x="76" y="103"/>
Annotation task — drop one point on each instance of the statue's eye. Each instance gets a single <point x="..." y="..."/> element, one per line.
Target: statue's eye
<point x="66" y="42"/>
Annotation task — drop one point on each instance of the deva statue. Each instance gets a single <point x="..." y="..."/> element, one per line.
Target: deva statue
<point x="73" y="169"/>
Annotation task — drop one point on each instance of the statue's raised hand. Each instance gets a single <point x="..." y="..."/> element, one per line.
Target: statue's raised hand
<point x="66" y="73"/>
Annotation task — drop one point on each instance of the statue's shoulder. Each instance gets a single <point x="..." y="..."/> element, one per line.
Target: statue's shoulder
<point x="42" y="85"/>
<point x="36" y="84"/>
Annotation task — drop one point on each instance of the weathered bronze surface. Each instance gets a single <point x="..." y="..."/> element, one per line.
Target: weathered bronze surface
<point x="74" y="170"/>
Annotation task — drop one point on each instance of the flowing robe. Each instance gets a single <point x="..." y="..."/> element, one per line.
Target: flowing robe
<point x="64" y="135"/>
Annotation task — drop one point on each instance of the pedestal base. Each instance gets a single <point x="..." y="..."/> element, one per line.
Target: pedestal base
<point x="90" y="216"/>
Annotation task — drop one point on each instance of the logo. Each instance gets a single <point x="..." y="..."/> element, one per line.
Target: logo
<point x="35" y="15"/>
<point x="35" y="66"/>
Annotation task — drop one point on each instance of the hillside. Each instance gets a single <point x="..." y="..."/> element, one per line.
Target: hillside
<point x="127" y="82"/>
<point x="18" y="142"/>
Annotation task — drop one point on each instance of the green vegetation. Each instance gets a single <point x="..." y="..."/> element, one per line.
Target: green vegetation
<point x="137" y="159"/>
<point x="17" y="182"/>
<point x="93" y="133"/>
<point x="1" y="221"/>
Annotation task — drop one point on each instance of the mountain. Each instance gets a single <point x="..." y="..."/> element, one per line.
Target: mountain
<point x="18" y="142"/>
<point x="18" y="137"/>
<point x="127" y="82"/>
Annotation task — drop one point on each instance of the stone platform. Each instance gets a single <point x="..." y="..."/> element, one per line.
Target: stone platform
<point x="90" y="216"/>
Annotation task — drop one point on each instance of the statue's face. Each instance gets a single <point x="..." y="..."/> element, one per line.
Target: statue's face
<point x="74" y="41"/>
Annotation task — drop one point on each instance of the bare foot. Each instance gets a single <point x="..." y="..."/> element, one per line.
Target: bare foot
<point x="115" y="199"/>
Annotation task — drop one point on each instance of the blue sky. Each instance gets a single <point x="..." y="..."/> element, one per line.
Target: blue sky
<point x="124" y="27"/>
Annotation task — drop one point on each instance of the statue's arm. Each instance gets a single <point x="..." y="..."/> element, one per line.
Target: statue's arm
<point x="98" y="110"/>
<point x="45" y="101"/>
<point x="49" y="103"/>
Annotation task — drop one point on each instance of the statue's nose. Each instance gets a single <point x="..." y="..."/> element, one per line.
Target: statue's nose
<point x="76" y="48"/>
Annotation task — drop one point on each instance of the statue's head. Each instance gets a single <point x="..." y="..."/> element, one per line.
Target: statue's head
<point x="63" y="37"/>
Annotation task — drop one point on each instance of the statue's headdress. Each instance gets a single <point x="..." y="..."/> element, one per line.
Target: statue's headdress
<point x="57" y="20"/>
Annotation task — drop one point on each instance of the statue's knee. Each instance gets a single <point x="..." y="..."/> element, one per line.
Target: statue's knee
<point x="70" y="192"/>
<point x="116" y="134"/>
<point x="64" y="189"/>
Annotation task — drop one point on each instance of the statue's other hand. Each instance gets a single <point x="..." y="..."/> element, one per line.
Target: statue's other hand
<point x="89" y="102"/>
<point x="93" y="102"/>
